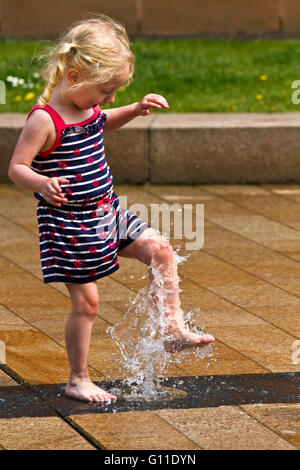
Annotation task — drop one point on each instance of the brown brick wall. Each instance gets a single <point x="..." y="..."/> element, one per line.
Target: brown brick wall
<point x="43" y="18"/>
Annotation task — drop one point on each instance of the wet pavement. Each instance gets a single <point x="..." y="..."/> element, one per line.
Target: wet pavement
<point x="245" y="281"/>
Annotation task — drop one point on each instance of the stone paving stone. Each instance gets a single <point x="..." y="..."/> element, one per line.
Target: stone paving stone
<point x="134" y="431"/>
<point x="268" y="346"/>
<point x="223" y="428"/>
<point x="29" y="423"/>
<point x="288" y="191"/>
<point x="263" y="202"/>
<point x="19" y="206"/>
<point x="285" y="318"/>
<point x="45" y="433"/>
<point x="283" y="418"/>
<point x="6" y="380"/>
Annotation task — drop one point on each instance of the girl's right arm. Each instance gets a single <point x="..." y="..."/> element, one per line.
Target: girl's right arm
<point x="33" y="137"/>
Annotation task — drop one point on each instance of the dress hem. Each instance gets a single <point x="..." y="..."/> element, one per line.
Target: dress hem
<point x="94" y="278"/>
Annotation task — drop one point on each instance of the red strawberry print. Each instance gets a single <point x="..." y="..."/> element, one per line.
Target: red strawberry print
<point x="90" y="160"/>
<point x="43" y="236"/>
<point x="52" y="235"/>
<point x="46" y="222"/>
<point x="106" y="258"/>
<point x="55" y="260"/>
<point x="51" y="211"/>
<point x="83" y="227"/>
<point x="92" y="273"/>
<point x="109" y="180"/>
<point x="63" y="252"/>
<point x="41" y="253"/>
<point x="62" y="225"/>
<point x="116" y="263"/>
<point x="96" y="145"/>
<point x="48" y="264"/>
<point x="53" y="175"/>
<point x="103" y="202"/>
<point x="92" y="249"/>
<point x="86" y="201"/>
<point x="70" y="215"/>
<point x="77" y="263"/>
<point x="78" y="177"/>
<point x="50" y="251"/>
<point x="95" y="183"/>
<point x="62" y="164"/>
<point x="67" y="274"/>
<point x="76" y="152"/>
<point x="112" y="245"/>
<point x="69" y="191"/>
<point x="73" y="241"/>
<point x="101" y="166"/>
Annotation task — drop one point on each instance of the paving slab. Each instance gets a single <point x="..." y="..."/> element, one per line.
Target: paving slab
<point x="238" y="287"/>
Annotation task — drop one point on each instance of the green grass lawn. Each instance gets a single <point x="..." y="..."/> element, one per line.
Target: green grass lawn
<point x="195" y="75"/>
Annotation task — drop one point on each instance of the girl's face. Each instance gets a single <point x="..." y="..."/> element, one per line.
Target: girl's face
<point x="103" y="93"/>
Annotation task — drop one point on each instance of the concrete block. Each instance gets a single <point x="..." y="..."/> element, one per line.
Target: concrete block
<point x="11" y="125"/>
<point x="227" y="148"/>
<point x="191" y="148"/>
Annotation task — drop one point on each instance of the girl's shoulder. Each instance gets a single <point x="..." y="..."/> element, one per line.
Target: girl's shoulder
<point x="38" y="117"/>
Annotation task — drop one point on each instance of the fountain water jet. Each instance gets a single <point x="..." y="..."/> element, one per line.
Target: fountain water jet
<point x="140" y="336"/>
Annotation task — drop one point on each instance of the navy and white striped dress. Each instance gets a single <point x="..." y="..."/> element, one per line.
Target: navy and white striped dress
<point x="79" y="241"/>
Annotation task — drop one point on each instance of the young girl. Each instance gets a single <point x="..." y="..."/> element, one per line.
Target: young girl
<point x="82" y="229"/>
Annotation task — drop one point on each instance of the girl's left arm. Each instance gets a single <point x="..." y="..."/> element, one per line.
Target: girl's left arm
<point x="117" y="117"/>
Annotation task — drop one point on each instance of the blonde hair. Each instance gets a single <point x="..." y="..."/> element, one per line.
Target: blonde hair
<point x="97" y="47"/>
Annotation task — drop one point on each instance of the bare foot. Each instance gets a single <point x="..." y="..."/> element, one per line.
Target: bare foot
<point x="186" y="339"/>
<point x="86" y="390"/>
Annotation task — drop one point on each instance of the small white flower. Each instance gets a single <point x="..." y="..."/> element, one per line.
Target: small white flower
<point x="36" y="75"/>
<point x="15" y="81"/>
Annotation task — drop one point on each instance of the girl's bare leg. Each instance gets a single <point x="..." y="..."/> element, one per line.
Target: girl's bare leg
<point x="155" y="250"/>
<point x="77" y="336"/>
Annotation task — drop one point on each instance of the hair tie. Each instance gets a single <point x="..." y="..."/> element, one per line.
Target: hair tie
<point x="72" y="46"/>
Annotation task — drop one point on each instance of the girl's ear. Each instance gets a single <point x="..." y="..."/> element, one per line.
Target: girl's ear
<point x="73" y="75"/>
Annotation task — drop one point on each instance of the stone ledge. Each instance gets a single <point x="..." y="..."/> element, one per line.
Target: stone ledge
<point x="192" y="148"/>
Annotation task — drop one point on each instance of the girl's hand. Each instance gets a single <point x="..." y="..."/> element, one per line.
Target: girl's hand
<point x="150" y="101"/>
<point x="51" y="190"/>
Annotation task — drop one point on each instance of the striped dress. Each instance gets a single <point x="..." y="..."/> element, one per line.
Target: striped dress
<point x="79" y="241"/>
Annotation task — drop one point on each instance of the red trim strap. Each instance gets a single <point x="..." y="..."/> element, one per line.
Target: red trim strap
<point x="60" y="124"/>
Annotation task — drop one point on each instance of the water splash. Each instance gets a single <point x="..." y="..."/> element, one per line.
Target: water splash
<point x="141" y="337"/>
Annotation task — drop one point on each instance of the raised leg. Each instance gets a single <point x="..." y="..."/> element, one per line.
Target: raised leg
<point x="155" y="250"/>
